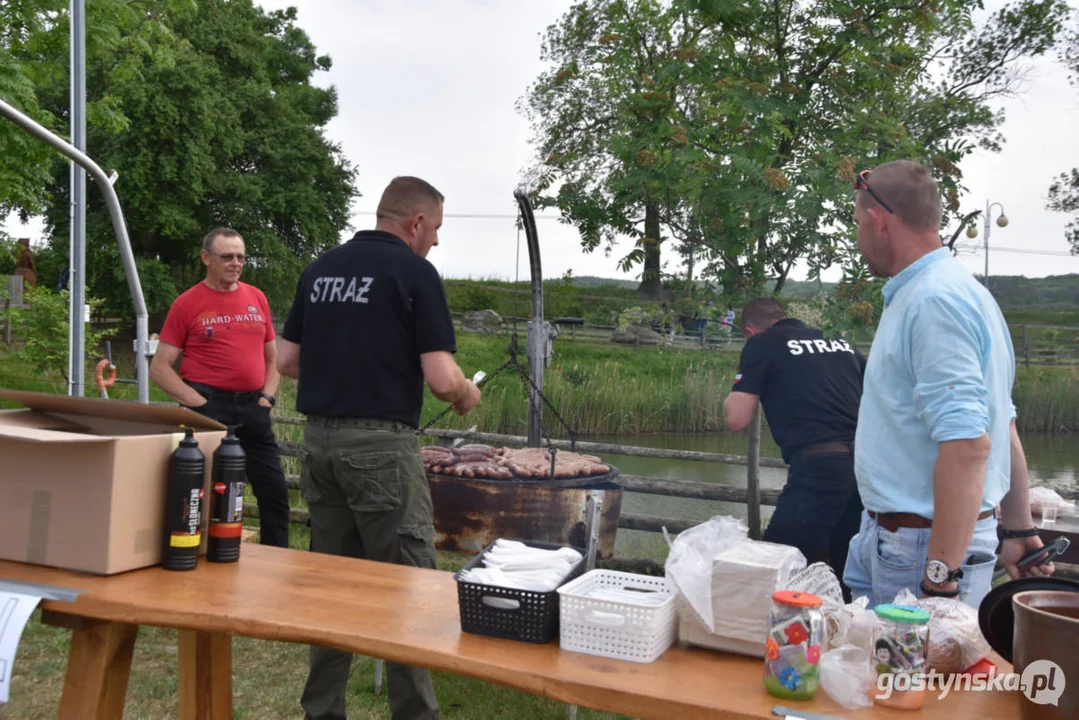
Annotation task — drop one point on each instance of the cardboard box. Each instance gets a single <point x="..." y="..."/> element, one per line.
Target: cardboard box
<point x="82" y="480"/>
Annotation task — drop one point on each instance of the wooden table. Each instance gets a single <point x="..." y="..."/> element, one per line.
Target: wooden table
<point x="386" y="611"/>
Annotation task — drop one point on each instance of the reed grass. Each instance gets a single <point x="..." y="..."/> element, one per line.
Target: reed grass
<point x="598" y="389"/>
<point x="606" y="390"/>
<point x="1047" y="399"/>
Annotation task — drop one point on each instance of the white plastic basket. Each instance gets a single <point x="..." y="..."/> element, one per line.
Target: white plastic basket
<point x="621" y="630"/>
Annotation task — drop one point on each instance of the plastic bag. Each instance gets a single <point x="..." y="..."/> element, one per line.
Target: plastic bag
<point x="846" y="674"/>
<point x="819" y="579"/>
<point x="1044" y="497"/>
<point x="852" y="624"/>
<point x="955" y="637"/>
<point x="744" y="576"/>
<point x="689" y="563"/>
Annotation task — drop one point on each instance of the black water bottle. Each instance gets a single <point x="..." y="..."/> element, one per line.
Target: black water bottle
<point x="183" y="505"/>
<point x="227" y="500"/>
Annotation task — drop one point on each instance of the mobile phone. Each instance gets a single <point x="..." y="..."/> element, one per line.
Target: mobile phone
<point x="1045" y="554"/>
<point x="1041" y="556"/>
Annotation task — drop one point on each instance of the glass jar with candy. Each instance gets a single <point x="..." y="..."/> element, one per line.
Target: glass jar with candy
<point x="793" y="647"/>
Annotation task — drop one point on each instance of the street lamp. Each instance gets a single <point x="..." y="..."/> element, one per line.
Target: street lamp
<point x="972" y="232"/>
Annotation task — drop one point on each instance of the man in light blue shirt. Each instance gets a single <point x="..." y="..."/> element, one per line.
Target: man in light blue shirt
<point x="936" y="451"/>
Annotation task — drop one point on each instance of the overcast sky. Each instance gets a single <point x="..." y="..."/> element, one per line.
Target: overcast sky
<point x="429" y="87"/>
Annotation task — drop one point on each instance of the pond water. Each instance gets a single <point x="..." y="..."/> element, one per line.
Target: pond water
<point x="1053" y="461"/>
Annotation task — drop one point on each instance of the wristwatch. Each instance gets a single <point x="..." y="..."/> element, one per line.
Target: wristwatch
<point x="938" y="572"/>
<point x="269" y="398"/>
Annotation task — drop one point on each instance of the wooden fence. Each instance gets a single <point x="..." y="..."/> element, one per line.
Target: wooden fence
<point x="752" y="495"/>
<point x="1034" y="344"/>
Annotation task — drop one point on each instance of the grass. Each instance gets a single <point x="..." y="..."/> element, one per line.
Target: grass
<point x="599" y="389"/>
<point x="609" y="389"/>
<point x="1047" y="399"/>
<point x="268" y="678"/>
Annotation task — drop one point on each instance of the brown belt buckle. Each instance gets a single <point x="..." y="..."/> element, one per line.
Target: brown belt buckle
<point x="887" y="521"/>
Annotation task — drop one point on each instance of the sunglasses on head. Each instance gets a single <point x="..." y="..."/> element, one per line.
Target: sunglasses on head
<point x="229" y="257"/>
<point x="862" y="183"/>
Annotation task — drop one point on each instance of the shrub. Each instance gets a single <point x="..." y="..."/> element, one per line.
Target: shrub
<point x="41" y="328"/>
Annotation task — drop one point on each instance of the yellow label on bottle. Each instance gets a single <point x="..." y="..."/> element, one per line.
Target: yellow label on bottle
<point x="185" y="541"/>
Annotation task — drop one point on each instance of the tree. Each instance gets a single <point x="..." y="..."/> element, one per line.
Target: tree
<point x="602" y="117"/>
<point x="207" y="112"/>
<point x="1064" y="192"/>
<point x="808" y="93"/>
<point x="767" y="109"/>
<point x="25" y="31"/>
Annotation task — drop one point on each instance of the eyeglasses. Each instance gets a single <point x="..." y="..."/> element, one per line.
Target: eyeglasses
<point x="862" y="181"/>
<point x="229" y="257"/>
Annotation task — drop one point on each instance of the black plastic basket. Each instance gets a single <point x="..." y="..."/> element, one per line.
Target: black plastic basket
<point x="534" y="620"/>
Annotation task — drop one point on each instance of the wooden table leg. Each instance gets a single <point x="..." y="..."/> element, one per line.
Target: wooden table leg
<point x="205" y="675"/>
<point x="98" y="667"/>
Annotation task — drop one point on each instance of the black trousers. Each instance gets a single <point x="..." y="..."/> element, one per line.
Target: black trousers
<point x="819" y="510"/>
<point x="264" y="473"/>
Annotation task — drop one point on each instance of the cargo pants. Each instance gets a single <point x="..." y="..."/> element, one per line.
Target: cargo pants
<point x="366" y="488"/>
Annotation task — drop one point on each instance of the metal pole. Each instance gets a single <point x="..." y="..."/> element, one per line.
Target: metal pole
<point x="537" y="334"/>
<point x="753" y="479"/>
<point x="77" y="282"/>
<point x="119" y="227"/>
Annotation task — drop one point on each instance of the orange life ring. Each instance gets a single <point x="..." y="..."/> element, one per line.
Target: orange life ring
<point x="99" y="376"/>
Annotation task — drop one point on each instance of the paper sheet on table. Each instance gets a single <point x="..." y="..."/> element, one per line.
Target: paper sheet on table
<point x="15" y="609"/>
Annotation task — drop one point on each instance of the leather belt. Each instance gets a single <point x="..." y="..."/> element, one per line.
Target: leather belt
<point x="336" y="423"/>
<point x="892" y="521"/>
<point x="826" y="447"/>
<point x="241" y="398"/>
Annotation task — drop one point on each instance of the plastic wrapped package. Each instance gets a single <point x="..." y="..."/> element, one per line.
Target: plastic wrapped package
<point x="744" y="576"/>
<point x="956" y="640"/>
<point x="847" y="676"/>
<point x="819" y="579"/>
<point x="1045" y="497"/>
<point x="852" y="624"/>
<point x="723" y="581"/>
<point x="689" y="564"/>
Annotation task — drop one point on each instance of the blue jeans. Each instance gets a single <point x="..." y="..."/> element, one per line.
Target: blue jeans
<point x="881" y="563"/>
<point x="819" y="510"/>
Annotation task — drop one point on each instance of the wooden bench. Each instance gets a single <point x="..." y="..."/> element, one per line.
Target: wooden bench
<point x="386" y="611"/>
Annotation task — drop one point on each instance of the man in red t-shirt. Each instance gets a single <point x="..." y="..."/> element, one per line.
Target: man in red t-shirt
<point x="229" y="372"/>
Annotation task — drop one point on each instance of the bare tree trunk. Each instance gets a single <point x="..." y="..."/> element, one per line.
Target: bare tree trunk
<point x="782" y="279"/>
<point x="651" y="285"/>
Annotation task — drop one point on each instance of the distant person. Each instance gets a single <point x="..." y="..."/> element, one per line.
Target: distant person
<point x="729" y="320"/>
<point x="810" y="388"/>
<point x="368" y="326"/>
<point x="938" y="451"/>
<point x="229" y="372"/>
<point x="24" y="263"/>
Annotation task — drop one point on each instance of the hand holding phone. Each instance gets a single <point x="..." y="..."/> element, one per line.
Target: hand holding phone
<point x="1045" y="554"/>
<point x="1040" y="556"/>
